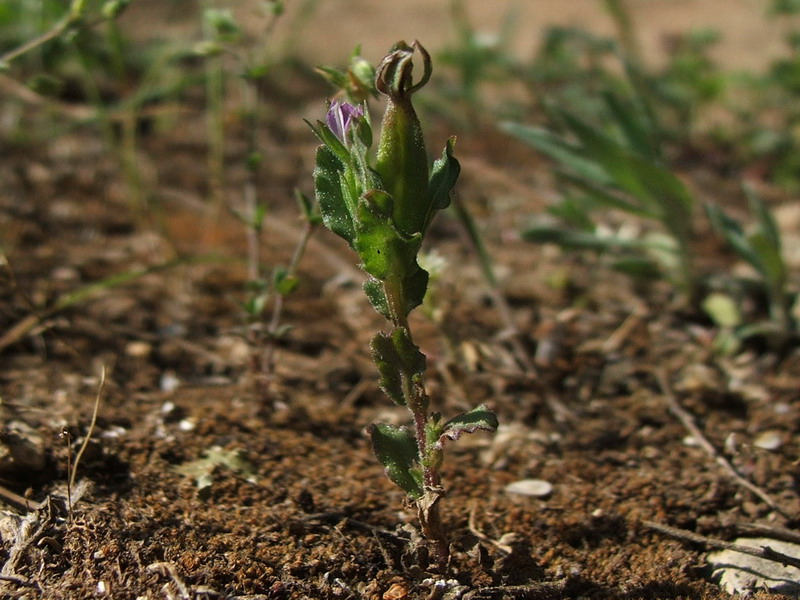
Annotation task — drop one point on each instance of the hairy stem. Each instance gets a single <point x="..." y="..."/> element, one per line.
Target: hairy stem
<point x="417" y="402"/>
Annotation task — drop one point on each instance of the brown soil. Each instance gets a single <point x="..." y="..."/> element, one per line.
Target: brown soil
<point x="307" y="512"/>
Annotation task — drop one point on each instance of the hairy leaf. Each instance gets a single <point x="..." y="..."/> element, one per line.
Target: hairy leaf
<point x="377" y="297"/>
<point x="330" y="193"/>
<point x="396" y="449"/>
<point x="479" y="417"/>
<point x="389" y="366"/>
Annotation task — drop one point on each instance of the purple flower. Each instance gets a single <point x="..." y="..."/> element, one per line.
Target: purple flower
<point x="341" y="116"/>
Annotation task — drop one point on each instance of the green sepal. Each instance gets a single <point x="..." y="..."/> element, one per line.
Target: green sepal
<point x="329" y="139"/>
<point x="402" y="161"/>
<point x="377" y="297"/>
<point x="444" y="175"/>
<point x="331" y="194"/>
<point x="397" y="451"/>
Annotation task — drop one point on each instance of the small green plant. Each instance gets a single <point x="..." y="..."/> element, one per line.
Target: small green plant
<point x="383" y="208"/>
<point x="267" y="286"/>
<point x="478" y="58"/>
<point x="760" y="247"/>
<point x="618" y="173"/>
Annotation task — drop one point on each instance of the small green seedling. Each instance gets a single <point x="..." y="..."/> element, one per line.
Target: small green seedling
<point x="383" y="208"/>
<point x="616" y="174"/>
<point x="760" y="247"/>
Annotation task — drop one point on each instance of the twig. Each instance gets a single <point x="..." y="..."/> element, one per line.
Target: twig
<point x="541" y="590"/>
<point x="778" y="533"/>
<point x="19" y="581"/>
<point x="88" y="435"/>
<point x="765" y="552"/>
<point x="473" y="528"/>
<point x="17" y="501"/>
<point x="688" y="422"/>
<point x="169" y="569"/>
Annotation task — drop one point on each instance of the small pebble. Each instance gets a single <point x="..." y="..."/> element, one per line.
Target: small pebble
<point x="536" y="488"/>
<point x="768" y="440"/>
<point x="169" y="382"/>
<point x="396" y="592"/>
<point x="138" y="349"/>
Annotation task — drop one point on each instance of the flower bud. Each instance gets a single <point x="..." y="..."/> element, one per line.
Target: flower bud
<point x="340" y="118"/>
<point x="401" y="160"/>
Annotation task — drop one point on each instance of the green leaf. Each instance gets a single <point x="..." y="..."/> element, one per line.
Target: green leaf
<point x="734" y="234"/>
<point x="638" y="267"/>
<point x="397" y="451"/>
<point x="398" y="360"/>
<point x="378" y="242"/>
<point x="637" y="131"/>
<point x="415" y="287"/>
<point x="766" y="222"/>
<point x="479" y="418"/>
<point x="770" y="262"/>
<point x="329" y="139"/>
<point x="574" y="211"/>
<point x="377" y="297"/>
<point x="330" y="194"/>
<point x="307" y="207"/>
<point x="413" y="361"/>
<point x="642" y="178"/>
<point x="558" y="149"/>
<point x="386" y="359"/>
<point x="284" y="283"/>
<point x="722" y="309"/>
<point x="606" y="195"/>
<point x="386" y="252"/>
<point x="566" y="238"/>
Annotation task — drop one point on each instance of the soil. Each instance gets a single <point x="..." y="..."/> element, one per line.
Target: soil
<point x="200" y="480"/>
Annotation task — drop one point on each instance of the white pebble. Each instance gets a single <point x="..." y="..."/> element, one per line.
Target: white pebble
<point x="768" y="440"/>
<point x="537" y="488"/>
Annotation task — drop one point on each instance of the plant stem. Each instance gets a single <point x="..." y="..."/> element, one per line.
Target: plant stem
<point x="72" y="17"/>
<point x="267" y="364"/>
<point x="417" y="402"/>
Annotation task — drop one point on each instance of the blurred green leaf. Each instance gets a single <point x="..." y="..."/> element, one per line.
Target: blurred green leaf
<point x="723" y="310"/>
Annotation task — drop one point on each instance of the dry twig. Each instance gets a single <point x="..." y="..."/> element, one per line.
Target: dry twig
<point x="688" y="422"/>
<point x="74" y="471"/>
<point x="541" y="590"/>
<point x="764" y="552"/>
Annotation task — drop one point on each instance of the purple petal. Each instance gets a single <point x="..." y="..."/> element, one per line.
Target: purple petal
<point x="340" y="118"/>
<point x="334" y="120"/>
